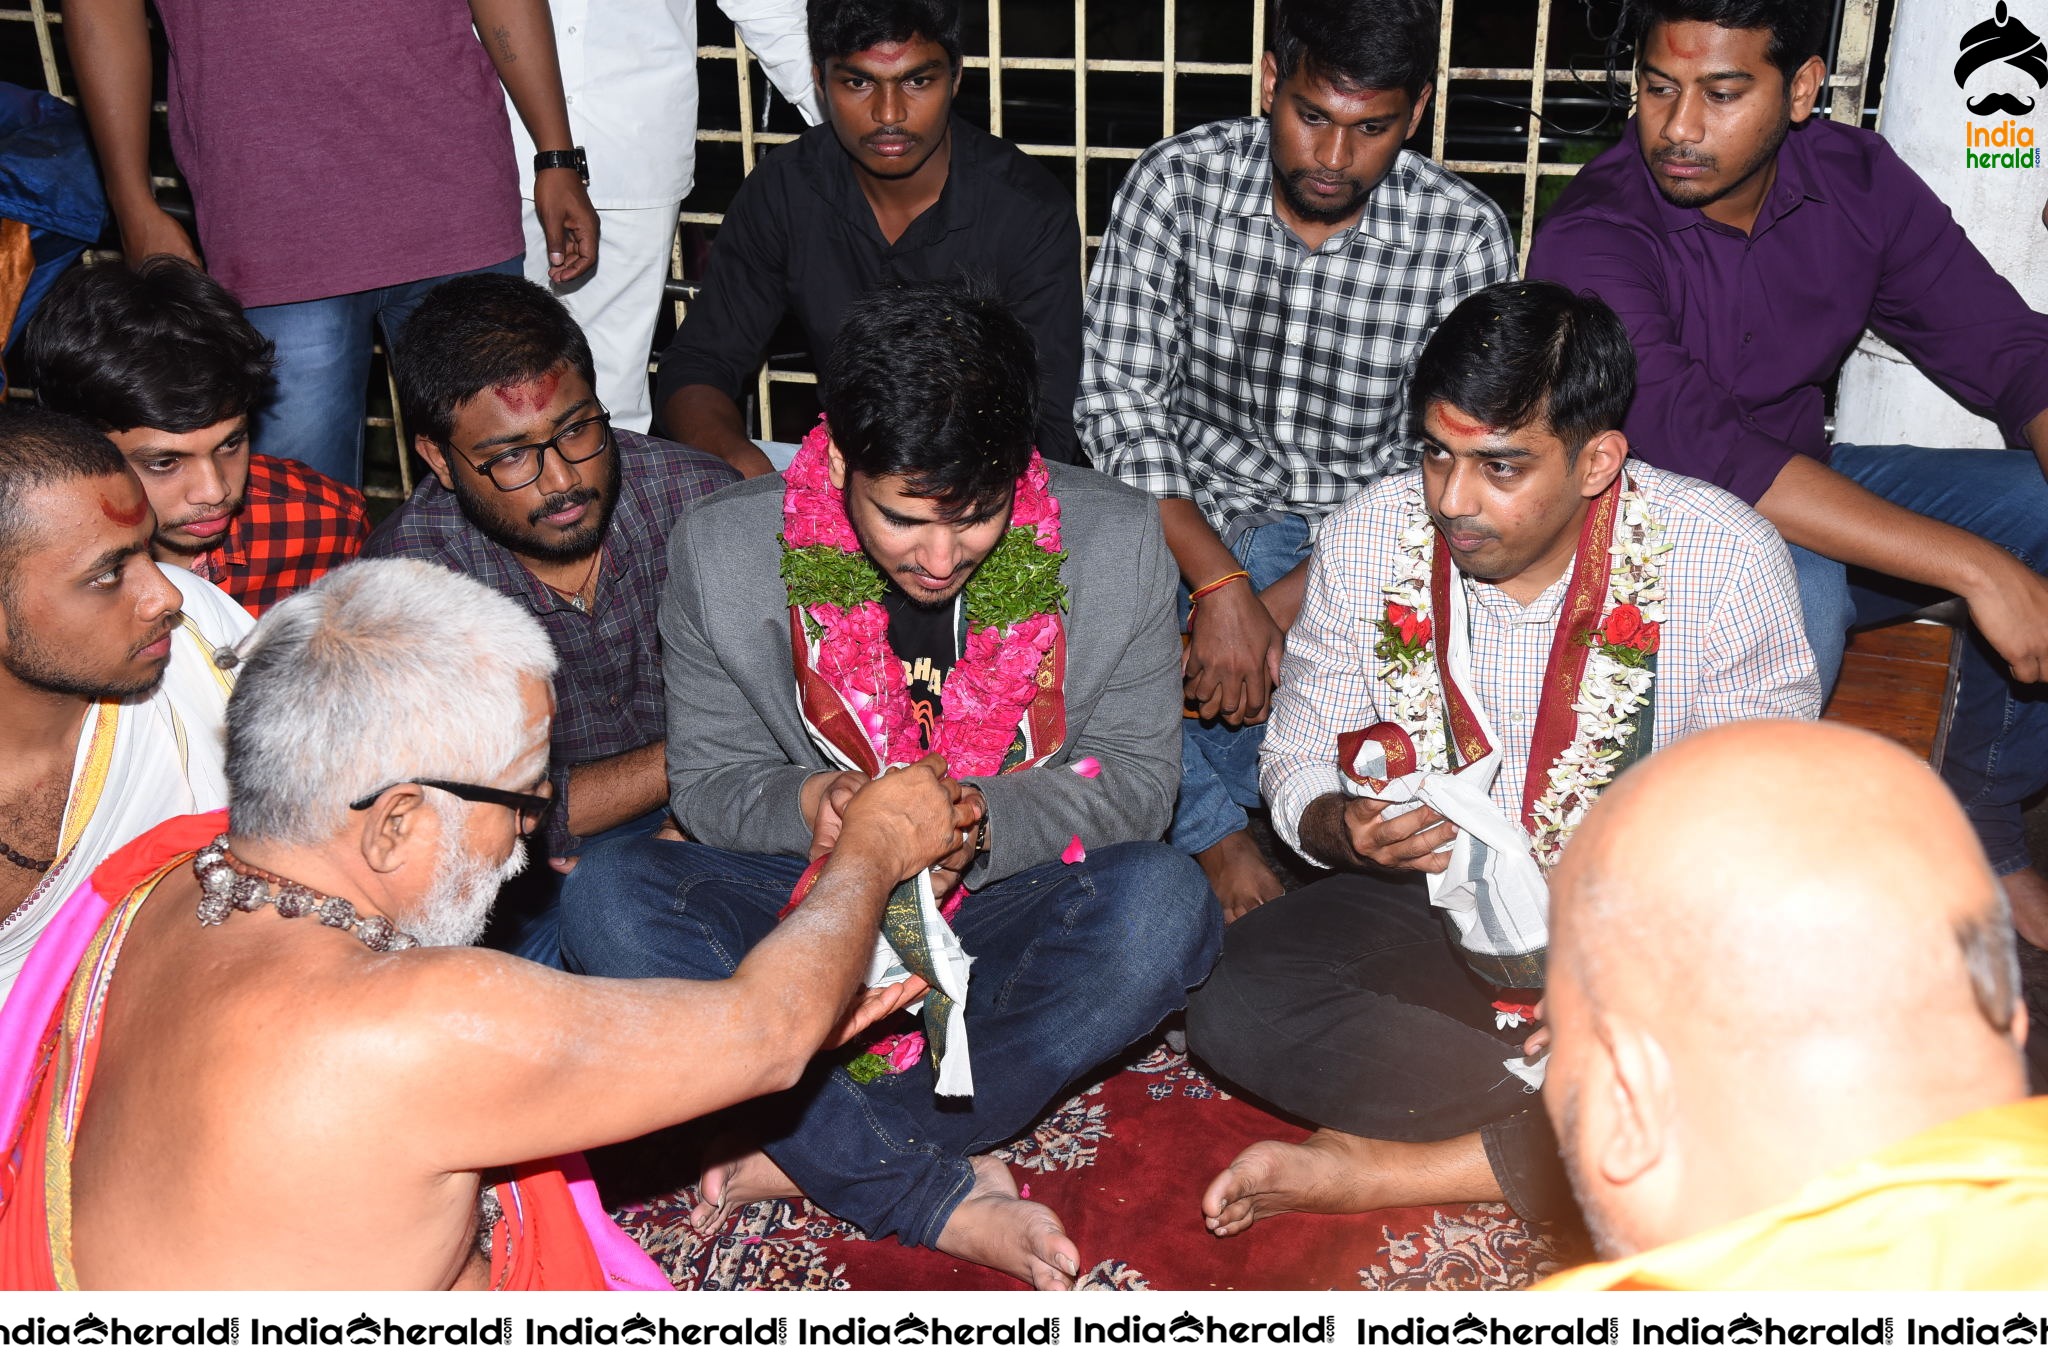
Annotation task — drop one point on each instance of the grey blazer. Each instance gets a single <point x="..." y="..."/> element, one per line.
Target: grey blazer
<point x="738" y="753"/>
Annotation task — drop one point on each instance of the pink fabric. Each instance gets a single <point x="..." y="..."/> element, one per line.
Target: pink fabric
<point x="626" y="1265"/>
<point x="333" y="148"/>
<point x="46" y="977"/>
<point x="25" y="1019"/>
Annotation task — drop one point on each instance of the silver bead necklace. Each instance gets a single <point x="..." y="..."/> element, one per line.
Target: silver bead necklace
<point x="226" y="884"/>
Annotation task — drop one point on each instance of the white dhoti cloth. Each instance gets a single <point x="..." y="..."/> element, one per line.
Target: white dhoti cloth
<point x="1493" y="890"/>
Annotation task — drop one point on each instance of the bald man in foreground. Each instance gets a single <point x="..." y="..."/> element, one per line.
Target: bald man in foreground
<point x="1786" y="1027"/>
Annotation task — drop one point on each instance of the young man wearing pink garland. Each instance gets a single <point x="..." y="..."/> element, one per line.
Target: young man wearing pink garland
<point x="922" y="581"/>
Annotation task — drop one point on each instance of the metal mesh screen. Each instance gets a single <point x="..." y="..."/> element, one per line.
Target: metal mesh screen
<point x="1198" y="52"/>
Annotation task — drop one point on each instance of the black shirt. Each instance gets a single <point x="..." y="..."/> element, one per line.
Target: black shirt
<point x="801" y="237"/>
<point x="926" y="640"/>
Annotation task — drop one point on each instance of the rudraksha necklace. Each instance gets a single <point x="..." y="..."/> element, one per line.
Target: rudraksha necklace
<point x="226" y="884"/>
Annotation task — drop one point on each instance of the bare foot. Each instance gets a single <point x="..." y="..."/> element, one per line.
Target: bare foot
<point x="1239" y="874"/>
<point x="2027" y="890"/>
<point x="995" y="1228"/>
<point x="1332" y="1173"/>
<point x="735" y="1174"/>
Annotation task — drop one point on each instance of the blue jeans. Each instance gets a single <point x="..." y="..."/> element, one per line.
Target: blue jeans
<point x="1219" y="763"/>
<point x="315" y="412"/>
<point x="526" y="921"/>
<point x="1071" y="964"/>
<point x="1998" y="742"/>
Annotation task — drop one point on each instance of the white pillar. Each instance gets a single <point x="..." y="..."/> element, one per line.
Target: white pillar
<point x="1884" y="398"/>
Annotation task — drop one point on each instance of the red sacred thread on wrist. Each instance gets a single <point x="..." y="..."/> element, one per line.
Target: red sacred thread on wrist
<point x="1195" y="598"/>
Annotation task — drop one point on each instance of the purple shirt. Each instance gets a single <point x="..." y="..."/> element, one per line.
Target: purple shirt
<point x="333" y="148"/>
<point x="1735" y="334"/>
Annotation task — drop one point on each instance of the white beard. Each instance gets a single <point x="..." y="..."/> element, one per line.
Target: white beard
<point x="458" y="903"/>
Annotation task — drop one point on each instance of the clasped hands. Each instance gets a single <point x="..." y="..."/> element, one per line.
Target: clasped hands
<point x="1230" y="663"/>
<point x="941" y="841"/>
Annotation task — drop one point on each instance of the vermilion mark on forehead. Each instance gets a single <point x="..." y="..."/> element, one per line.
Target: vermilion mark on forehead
<point x="124" y="517"/>
<point x="530" y="396"/>
<point x="1447" y="418"/>
<point x="883" y="58"/>
<point x="1680" y="48"/>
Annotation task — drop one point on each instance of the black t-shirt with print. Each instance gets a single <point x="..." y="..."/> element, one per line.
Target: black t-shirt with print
<point x="924" y="639"/>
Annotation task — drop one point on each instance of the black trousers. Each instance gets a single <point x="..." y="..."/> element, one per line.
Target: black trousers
<point x="1346" y="1004"/>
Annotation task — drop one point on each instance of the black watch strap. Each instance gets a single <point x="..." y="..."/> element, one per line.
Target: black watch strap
<point x="571" y="160"/>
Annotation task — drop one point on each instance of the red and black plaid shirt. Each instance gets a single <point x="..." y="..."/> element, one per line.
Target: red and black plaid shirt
<point x="296" y="524"/>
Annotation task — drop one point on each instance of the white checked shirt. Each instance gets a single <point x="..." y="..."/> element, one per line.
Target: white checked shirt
<point x="1224" y="363"/>
<point x="1732" y="647"/>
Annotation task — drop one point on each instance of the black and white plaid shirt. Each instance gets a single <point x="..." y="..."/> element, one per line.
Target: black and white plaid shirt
<point x="1224" y="363"/>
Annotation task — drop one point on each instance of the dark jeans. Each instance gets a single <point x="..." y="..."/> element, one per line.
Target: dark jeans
<point x="1998" y="745"/>
<point x="1071" y="964"/>
<point x="1345" y="1003"/>
<point x="527" y="919"/>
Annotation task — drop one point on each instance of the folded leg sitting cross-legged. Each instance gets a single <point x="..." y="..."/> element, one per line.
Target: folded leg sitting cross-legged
<point x="920" y="581"/>
<point x="1345" y="1005"/>
<point x="1071" y="963"/>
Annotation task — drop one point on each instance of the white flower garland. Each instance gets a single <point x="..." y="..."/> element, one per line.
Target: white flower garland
<point x="1614" y="690"/>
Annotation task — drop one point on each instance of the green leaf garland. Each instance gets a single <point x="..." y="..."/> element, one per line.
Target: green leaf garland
<point x="1018" y="580"/>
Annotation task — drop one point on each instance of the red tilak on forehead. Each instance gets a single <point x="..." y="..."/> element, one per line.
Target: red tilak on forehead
<point x="1442" y="412"/>
<point x="130" y="517"/>
<point x="529" y="396"/>
<point x="884" y="53"/>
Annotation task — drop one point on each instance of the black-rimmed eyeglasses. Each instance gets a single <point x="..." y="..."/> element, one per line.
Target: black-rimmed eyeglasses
<point x="521" y="465"/>
<point x="533" y="808"/>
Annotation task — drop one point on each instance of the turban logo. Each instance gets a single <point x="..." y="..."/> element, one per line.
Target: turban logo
<point x="2002" y="38"/>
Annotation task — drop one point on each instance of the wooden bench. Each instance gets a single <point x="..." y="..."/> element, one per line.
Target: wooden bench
<point x="1899" y="679"/>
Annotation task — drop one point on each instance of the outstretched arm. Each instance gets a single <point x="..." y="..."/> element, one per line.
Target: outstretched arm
<point x="711" y="359"/>
<point x="1813" y="506"/>
<point x="494" y="1060"/>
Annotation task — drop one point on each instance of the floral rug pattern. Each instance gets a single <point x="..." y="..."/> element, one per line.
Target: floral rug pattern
<point x="1123" y="1162"/>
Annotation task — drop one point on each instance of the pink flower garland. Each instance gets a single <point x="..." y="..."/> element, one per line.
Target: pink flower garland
<point x="996" y="677"/>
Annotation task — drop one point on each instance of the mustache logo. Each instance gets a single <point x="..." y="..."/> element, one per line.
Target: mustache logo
<point x="1998" y="102"/>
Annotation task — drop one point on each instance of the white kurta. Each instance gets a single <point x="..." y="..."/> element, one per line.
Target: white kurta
<point x="141" y="760"/>
<point x="629" y="74"/>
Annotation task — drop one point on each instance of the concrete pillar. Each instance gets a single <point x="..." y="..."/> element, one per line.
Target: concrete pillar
<point x="1883" y="397"/>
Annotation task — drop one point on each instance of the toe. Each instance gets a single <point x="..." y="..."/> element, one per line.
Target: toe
<point x="1221" y="1191"/>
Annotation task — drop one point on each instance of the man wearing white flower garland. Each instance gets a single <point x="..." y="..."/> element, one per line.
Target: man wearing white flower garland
<point x="1591" y="607"/>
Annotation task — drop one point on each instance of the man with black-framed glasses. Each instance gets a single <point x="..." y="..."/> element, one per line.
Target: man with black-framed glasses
<point x="299" y="983"/>
<point x="536" y="493"/>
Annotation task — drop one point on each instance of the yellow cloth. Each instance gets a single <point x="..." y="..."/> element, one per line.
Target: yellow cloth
<point x="1960" y="1207"/>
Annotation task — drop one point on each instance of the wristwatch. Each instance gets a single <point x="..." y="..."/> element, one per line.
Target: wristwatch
<point x="571" y="160"/>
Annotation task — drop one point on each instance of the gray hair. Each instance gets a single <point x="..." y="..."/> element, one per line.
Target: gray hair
<point x="383" y="671"/>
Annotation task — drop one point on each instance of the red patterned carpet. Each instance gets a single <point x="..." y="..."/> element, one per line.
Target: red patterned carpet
<point x="1124" y="1163"/>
